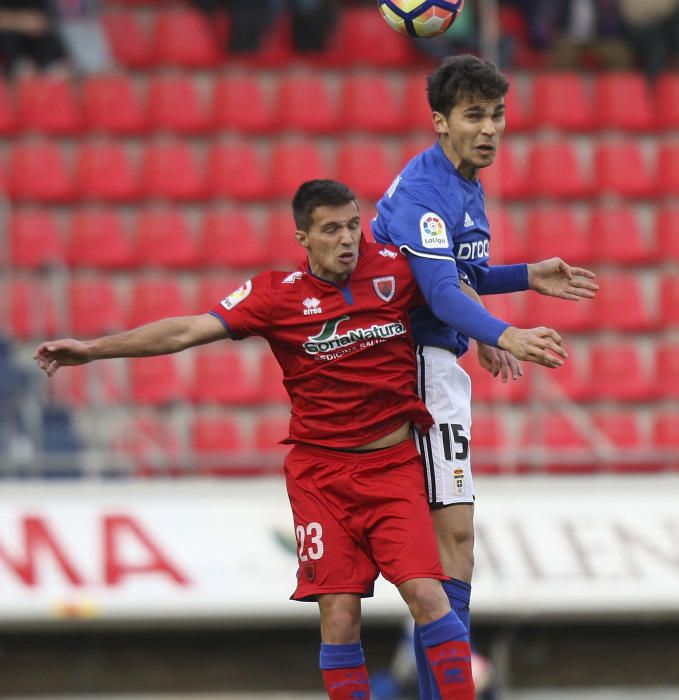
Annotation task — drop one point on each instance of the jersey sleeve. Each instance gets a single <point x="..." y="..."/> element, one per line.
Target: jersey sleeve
<point x="247" y="310"/>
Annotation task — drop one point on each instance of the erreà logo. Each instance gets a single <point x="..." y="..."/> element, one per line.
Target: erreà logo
<point x="329" y="339"/>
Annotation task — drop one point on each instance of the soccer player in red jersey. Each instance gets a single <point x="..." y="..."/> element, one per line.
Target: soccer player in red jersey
<point x="339" y="328"/>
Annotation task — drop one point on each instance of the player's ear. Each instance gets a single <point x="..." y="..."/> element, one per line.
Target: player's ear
<point x="440" y="123"/>
<point x="301" y="237"/>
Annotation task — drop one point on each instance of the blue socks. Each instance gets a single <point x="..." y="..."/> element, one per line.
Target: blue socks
<point x="341" y="656"/>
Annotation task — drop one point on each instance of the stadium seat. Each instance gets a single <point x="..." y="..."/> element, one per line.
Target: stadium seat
<point x="99" y="239"/>
<point x="185" y="37"/>
<point x="217" y="444"/>
<point x="213" y="288"/>
<point x="620" y="441"/>
<point x="164" y="238"/>
<point x="519" y="114"/>
<point x="413" y="146"/>
<point x="243" y="103"/>
<point x="665" y="429"/>
<point x="620" y="304"/>
<point x="95" y="307"/>
<point x="366" y="165"/>
<point x="33" y="312"/>
<point x="489" y="389"/>
<point x="557" y="231"/>
<point x="618" y="237"/>
<point x="506" y="178"/>
<point x="271" y="389"/>
<point x="38" y="171"/>
<point x="620" y="169"/>
<point x="668" y="169"/>
<point x="104" y="171"/>
<point x="570" y="381"/>
<point x="236" y="170"/>
<point x="8" y="117"/>
<point x="617" y="372"/>
<point x="623" y="101"/>
<point x="417" y="112"/>
<point x="667" y="100"/>
<point x="370" y="103"/>
<point x="284" y="250"/>
<point x="507" y="244"/>
<point x="230" y="238"/>
<point x="668" y="301"/>
<point x="667" y="232"/>
<point x="294" y="162"/>
<point x="48" y="105"/>
<point x="666" y="364"/>
<point x="129" y="38"/>
<point x="88" y="386"/>
<point x="170" y="170"/>
<point x="176" y="105"/>
<point x="112" y="104"/>
<point x="147" y="444"/>
<point x="275" y="48"/>
<point x="153" y="298"/>
<point x="489" y="439"/>
<point x="295" y="96"/>
<point x="155" y="380"/>
<point x="220" y="375"/>
<point x="561" y="314"/>
<point x="35" y="239"/>
<point x="269" y="431"/>
<point x="561" y="101"/>
<point x="555" y="171"/>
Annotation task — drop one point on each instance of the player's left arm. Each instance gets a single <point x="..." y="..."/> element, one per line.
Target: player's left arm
<point x="556" y="278"/>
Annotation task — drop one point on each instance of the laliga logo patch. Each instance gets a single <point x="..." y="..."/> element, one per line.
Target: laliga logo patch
<point x="236" y="297"/>
<point x="385" y="287"/>
<point x="433" y="231"/>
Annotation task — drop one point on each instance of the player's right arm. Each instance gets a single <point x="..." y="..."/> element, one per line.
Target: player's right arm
<point x="168" y="335"/>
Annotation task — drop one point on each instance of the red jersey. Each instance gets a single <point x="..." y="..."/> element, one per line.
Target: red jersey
<point x="346" y="351"/>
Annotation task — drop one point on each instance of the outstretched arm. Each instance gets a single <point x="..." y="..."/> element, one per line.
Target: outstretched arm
<point x="169" y="335"/>
<point x="556" y="278"/>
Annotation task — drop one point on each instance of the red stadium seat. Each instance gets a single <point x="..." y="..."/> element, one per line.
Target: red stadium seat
<point x="95" y="307"/>
<point x="556" y="231"/>
<point x="218" y="445"/>
<point x="417" y="112"/>
<point x="38" y="171"/>
<point x="666" y="364"/>
<point x="243" y="103"/>
<point x="506" y="178"/>
<point x="99" y="239"/>
<point x="269" y="431"/>
<point x="47" y="104"/>
<point x="185" y="37"/>
<point x="412" y="147"/>
<point x="370" y="103"/>
<point x="560" y="101"/>
<point x="104" y="171"/>
<point x="489" y="439"/>
<point x="220" y="375"/>
<point x="555" y="171"/>
<point x="668" y="301"/>
<point x="507" y="244"/>
<point x="666" y="432"/>
<point x="112" y="104"/>
<point x="88" y="385"/>
<point x="295" y="95"/>
<point x="176" y="105"/>
<point x="667" y="100"/>
<point x="33" y="312"/>
<point x="284" y="250"/>
<point x="617" y="372"/>
<point x="367" y="166"/>
<point x="519" y="114"/>
<point x="271" y="389"/>
<point x="155" y="380"/>
<point x="667" y="232"/>
<point x="668" y="169"/>
<point x="620" y="304"/>
<point x="236" y="170"/>
<point x="165" y="239"/>
<point x="212" y="289"/>
<point x="35" y="239"/>
<point x="561" y="314"/>
<point x="621" y="444"/>
<point x="571" y="380"/>
<point x="231" y="239"/>
<point x="623" y="101"/>
<point x="620" y="169"/>
<point x="275" y="49"/>
<point x="170" y="170"/>
<point x="487" y="388"/>
<point x="153" y="299"/>
<point x="294" y="162"/>
<point x="147" y="444"/>
<point x="564" y="440"/>
<point x="618" y="236"/>
<point x="129" y="38"/>
<point x="8" y="118"/>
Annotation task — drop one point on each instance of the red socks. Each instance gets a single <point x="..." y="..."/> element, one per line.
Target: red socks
<point x="451" y="664"/>
<point x="347" y="683"/>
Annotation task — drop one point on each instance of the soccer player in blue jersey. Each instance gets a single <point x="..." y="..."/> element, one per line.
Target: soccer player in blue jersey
<point x="434" y="212"/>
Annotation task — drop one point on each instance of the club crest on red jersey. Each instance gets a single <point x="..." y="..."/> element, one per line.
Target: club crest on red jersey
<point x="385" y="287"/>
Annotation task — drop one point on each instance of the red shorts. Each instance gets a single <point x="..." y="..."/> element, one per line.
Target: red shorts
<point x="358" y="515"/>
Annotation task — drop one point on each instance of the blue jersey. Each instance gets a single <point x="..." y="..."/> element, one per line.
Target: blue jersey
<point x="431" y="212"/>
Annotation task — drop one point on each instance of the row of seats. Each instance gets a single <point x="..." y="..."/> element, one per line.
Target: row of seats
<point x="241" y="237"/>
<point x="92" y="306"/>
<point x="366" y="101"/>
<point x="174" y="170"/>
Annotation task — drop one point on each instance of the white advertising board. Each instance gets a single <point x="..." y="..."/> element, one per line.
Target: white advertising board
<point x="225" y="551"/>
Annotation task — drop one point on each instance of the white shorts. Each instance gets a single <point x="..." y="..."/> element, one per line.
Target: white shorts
<point x="445" y="388"/>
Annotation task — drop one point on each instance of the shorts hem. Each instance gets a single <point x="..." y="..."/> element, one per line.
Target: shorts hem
<point x="311" y="597"/>
<point x="438" y="505"/>
<point x="438" y="575"/>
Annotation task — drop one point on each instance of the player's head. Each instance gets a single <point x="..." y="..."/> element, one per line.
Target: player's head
<point x="467" y="98"/>
<point x="328" y="226"/>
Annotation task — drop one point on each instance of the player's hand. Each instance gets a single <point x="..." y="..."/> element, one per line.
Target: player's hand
<point x="61" y="353"/>
<point x="498" y="362"/>
<point x="540" y="345"/>
<point x="556" y="278"/>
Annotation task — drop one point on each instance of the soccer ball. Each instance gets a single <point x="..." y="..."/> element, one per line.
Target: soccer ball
<point x="420" y="18"/>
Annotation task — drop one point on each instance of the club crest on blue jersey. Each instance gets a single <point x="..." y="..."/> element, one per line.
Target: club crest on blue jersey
<point x="433" y="231"/>
<point x="385" y="287"/>
<point x="235" y="298"/>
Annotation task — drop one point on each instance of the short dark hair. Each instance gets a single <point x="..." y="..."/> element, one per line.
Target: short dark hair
<point x="464" y="76"/>
<point x="318" y="193"/>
